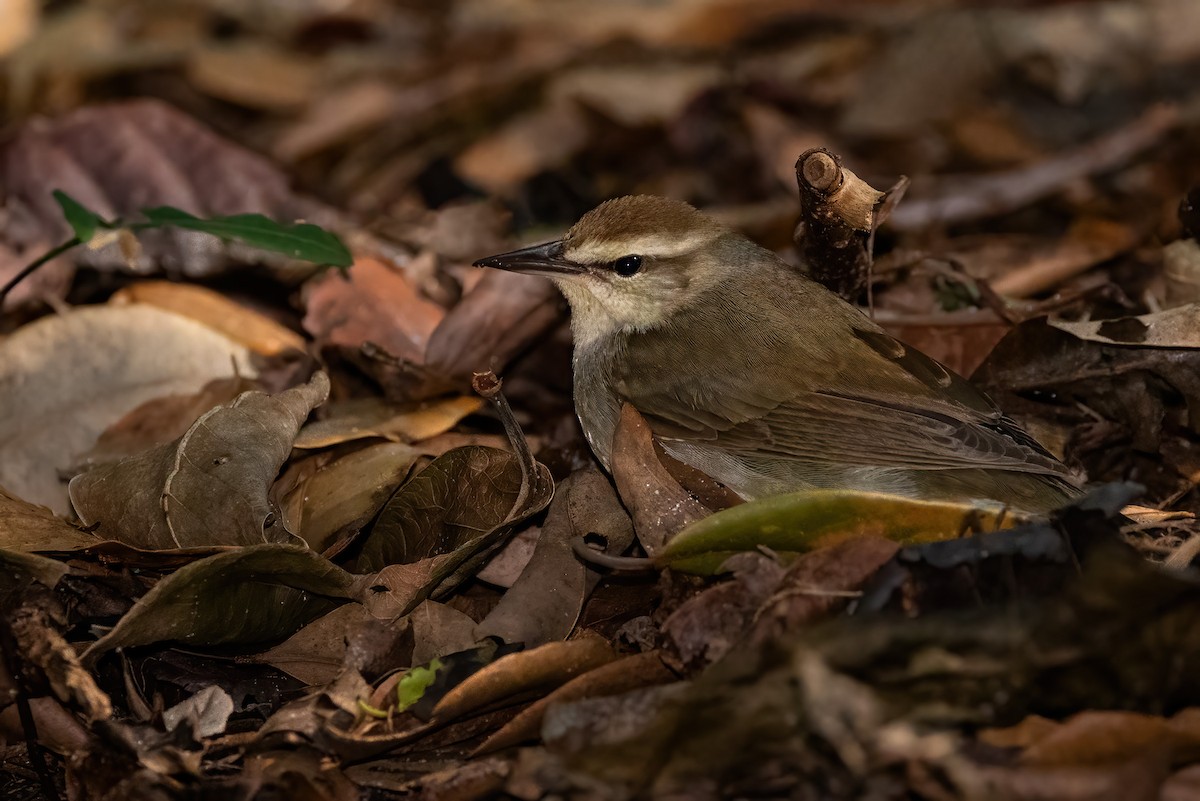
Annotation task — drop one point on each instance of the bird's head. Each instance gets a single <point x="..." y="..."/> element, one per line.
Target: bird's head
<point x="630" y="263"/>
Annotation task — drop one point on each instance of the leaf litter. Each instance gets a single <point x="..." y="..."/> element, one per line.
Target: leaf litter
<point x="274" y="593"/>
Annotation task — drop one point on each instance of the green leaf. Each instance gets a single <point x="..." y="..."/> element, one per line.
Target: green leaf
<point x="411" y="688"/>
<point x="803" y="521"/>
<point x="83" y="221"/>
<point x="298" y="240"/>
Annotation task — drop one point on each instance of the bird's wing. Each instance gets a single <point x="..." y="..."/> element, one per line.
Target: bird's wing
<point x="907" y="411"/>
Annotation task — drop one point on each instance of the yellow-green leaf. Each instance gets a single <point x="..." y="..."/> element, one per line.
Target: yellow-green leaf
<point x="802" y="521"/>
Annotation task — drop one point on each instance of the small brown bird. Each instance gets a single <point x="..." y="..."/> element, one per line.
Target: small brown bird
<point x="763" y="379"/>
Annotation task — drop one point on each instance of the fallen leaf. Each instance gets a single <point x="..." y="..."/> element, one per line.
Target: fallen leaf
<point x="439" y="630"/>
<point x="816" y="584"/>
<point x="315" y="653"/>
<point x="545" y="602"/>
<point x="615" y="678"/>
<point x="370" y="303"/>
<point x="207" y="712"/>
<point x="1172" y="328"/>
<point x="250" y="595"/>
<point x="536" y="670"/>
<point x="707" y="626"/>
<point x="810" y="519"/>
<point x="210" y="486"/>
<point x="444" y="523"/>
<point x="161" y="420"/>
<point x="660" y="507"/>
<point x="68" y="377"/>
<point x="254" y="74"/>
<point x="236" y="322"/>
<point x="362" y="418"/>
<point x="29" y="528"/>
<point x="503" y="315"/>
<point x="344" y="495"/>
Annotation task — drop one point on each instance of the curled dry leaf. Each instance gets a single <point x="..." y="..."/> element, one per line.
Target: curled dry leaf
<point x="250" y="595"/>
<point x="342" y="496"/>
<point x="660" y="506"/>
<point x="614" y="678"/>
<point x="210" y="486"/>
<point x="238" y="323"/>
<point x="544" y="603"/>
<point x="375" y="417"/>
<point x="513" y="676"/>
<point x="67" y="378"/>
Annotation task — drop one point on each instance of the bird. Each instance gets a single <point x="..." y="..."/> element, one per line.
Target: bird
<point x="754" y="374"/>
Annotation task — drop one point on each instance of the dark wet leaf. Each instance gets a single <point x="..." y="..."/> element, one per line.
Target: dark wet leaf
<point x="250" y="595"/>
<point x="210" y="486"/>
<point x="544" y="603"/>
<point x="440" y="526"/>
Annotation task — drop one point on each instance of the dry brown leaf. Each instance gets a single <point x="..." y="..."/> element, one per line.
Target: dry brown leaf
<point x="511" y="677"/>
<point x="210" y="486"/>
<point x="365" y="418"/>
<point x="660" y="507"/>
<point x="629" y="673"/>
<point x="161" y="420"/>
<point x="540" y="140"/>
<point x="239" y="323"/>
<point x="370" y="303"/>
<point x="255" y="74"/>
<point x="67" y="378"/>
<point x="341" y="497"/>
<point x="29" y="528"/>
<point x="545" y="602"/>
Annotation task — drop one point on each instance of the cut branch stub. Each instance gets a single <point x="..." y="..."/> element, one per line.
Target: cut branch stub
<point x="837" y="218"/>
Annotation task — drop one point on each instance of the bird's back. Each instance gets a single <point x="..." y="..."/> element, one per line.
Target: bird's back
<point x="777" y="384"/>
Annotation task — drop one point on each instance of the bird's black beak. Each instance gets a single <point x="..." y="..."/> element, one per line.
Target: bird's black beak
<point x="544" y="259"/>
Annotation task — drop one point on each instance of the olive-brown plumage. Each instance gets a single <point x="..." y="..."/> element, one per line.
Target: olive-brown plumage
<point x="762" y="378"/>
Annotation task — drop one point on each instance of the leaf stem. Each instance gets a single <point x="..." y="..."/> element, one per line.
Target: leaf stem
<point x="29" y="269"/>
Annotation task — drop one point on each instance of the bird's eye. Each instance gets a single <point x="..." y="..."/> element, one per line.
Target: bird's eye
<point x="627" y="265"/>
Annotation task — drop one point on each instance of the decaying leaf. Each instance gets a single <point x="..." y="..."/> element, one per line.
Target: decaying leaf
<point x="68" y="377"/>
<point x="660" y="507"/>
<point x="161" y="420"/>
<point x="441" y="525"/>
<point x="614" y="678"/>
<point x="210" y="485"/>
<point x="373" y="303"/>
<point x="29" y="528"/>
<point x="250" y="595"/>
<point x="345" y="494"/>
<point x="510" y="677"/>
<point x="544" y="603"/>
<point x="374" y="417"/>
